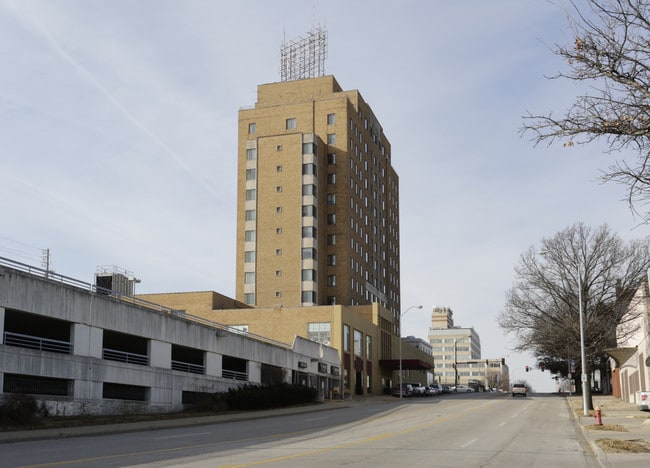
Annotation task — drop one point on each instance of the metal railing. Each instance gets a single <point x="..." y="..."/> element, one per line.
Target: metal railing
<point x="36" y="342"/>
<point x="124" y="356"/>
<point x="234" y="375"/>
<point x="188" y="367"/>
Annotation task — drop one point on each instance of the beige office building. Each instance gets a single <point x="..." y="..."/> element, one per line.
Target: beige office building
<point x="318" y="204"/>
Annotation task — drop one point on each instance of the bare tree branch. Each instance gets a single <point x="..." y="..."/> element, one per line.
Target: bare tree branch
<point x="611" y="53"/>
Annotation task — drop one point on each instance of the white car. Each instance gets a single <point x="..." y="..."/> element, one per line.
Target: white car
<point x="464" y="389"/>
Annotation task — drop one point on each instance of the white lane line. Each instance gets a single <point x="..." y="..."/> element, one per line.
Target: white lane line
<point x="466" y="444"/>
<point x="184" y="435"/>
<point x="315" y="419"/>
<point x="502" y="424"/>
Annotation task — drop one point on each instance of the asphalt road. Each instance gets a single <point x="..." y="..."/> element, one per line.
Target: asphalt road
<point x="469" y="430"/>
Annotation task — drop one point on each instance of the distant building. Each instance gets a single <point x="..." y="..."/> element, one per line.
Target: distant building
<point x="457" y="354"/>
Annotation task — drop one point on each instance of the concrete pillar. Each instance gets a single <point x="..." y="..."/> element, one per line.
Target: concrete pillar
<point x="87" y="341"/>
<point x="2" y="325"/>
<point x="254" y="372"/>
<point x="160" y="354"/>
<point x="213" y="364"/>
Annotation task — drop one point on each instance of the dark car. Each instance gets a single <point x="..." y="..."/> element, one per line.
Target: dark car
<point x="446" y="388"/>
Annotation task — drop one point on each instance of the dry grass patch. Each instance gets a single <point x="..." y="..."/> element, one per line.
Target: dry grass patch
<point x="623" y="446"/>
<point x="607" y="427"/>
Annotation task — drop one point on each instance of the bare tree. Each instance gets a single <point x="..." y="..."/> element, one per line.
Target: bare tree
<point x="610" y="53"/>
<point x="542" y="308"/>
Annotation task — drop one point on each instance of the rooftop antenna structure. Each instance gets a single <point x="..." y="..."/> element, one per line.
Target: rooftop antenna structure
<point x="304" y="57"/>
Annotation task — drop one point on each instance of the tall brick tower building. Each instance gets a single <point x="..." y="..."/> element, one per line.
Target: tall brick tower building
<point x="318" y="205"/>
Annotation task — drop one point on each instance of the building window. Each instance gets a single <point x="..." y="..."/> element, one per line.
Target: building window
<point x="368" y="347"/>
<point x="249" y="298"/>
<point x="346" y="338"/>
<point x="278" y="272"/>
<point x="278" y="209"/>
<point x="278" y="168"/>
<point x="331" y="280"/>
<point x="331" y="119"/>
<point x="331" y="138"/>
<point x="331" y="239"/>
<point x="278" y="148"/>
<point x="249" y="278"/>
<point x="331" y="199"/>
<point x="309" y="296"/>
<point x="249" y="256"/>
<point x="278" y="188"/>
<point x="331" y="218"/>
<point x="319" y="332"/>
<point x="331" y="260"/>
<point x="252" y="128"/>
<point x="250" y="215"/>
<point x="331" y="300"/>
<point x="309" y="169"/>
<point x="251" y="154"/>
<point x="308" y="148"/>
<point x="251" y="194"/>
<point x="309" y="210"/>
<point x="291" y="124"/>
<point x="309" y="275"/>
<point x="358" y="350"/>
<point x="309" y="189"/>
<point x="251" y="174"/>
<point x="249" y="236"/>
<point x="308" y="253"/>
<point x="331" y="178"/>
<point x="308" y="232"/>
<point x="278" y="294"/>
<point x="331" y="158"/>
<point x="278" y="251"/>
<point x="278" y="230"/>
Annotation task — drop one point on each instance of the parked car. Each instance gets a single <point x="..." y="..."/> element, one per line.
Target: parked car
<point x="446" y="388"/>
<point x="643" y="400"/>
<point x="464" y="389"/>
<point x="519" y="389"/>
<point x="436" y="388"/>
<point x="418" y="389"/>
<point x="407" y="390"/>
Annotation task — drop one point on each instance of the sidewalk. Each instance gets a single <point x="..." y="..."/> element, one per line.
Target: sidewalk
<point x="614" y="412"/>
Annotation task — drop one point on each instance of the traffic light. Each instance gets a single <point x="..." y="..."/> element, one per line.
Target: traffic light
<point x="526" y="368"/>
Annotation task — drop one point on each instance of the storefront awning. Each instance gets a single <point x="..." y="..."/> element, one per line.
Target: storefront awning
<point x="620" y="355"/>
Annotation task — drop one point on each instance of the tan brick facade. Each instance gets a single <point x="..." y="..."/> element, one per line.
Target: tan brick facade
<point x="315" y="180"/>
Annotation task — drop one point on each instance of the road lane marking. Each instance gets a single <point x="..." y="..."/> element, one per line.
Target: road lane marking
<point x="502" y="424"/>
<point x="182" y="435"/>
<point x="316" y="419"/>
<point x="467" y="444"/>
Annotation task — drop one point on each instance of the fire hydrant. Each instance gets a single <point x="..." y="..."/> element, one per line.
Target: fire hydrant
<point x="598" y="415"/>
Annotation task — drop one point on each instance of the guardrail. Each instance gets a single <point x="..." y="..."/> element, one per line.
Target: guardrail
<point x="188" y="367"/>
<point x="35" y="342"/>
<point x="234" y="375"/>
<point x="123" y="356"/>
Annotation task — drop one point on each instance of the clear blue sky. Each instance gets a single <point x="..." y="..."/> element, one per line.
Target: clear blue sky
<point x="118" y="133"/>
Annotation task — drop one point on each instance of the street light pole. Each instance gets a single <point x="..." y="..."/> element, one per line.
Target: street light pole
<point x="585" y="410"/>
<point x="400" y="346"/>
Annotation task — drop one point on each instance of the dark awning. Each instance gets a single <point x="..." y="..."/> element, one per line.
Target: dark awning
<point x="408" y="364"/>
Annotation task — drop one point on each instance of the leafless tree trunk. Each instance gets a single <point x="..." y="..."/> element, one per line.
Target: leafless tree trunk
<point x="610" y="53"/>
<point x="542" y="308"/>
